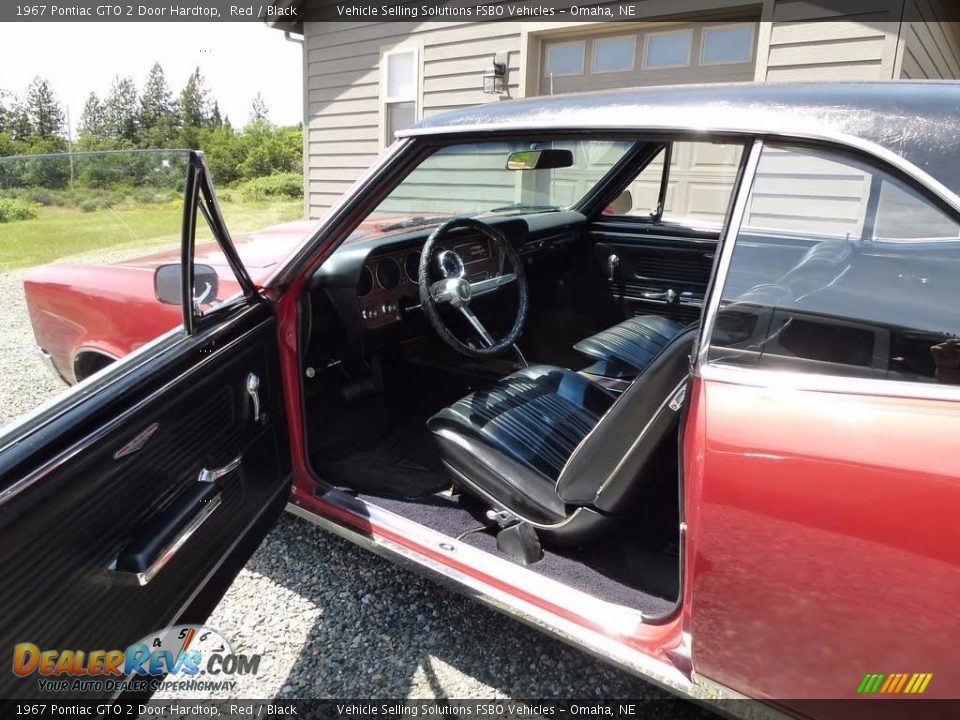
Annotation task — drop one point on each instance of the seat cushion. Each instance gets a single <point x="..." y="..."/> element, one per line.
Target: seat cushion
<point x="627" y="348"/>
<point x="510" y="442"/>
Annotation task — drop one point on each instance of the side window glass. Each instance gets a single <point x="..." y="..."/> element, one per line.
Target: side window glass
<point x="841" y="268"/>
<point x="82" y="239"/>
<point x="905" y="217"/>
<point x="698" y="185"/>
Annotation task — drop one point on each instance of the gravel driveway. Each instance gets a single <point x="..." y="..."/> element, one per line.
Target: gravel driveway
<point x="335" y="621"/>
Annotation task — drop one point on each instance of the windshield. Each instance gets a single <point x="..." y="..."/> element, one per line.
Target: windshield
<point x="472" y="179"/>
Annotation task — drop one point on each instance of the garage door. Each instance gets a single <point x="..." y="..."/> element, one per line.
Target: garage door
<point x="662" y="55"/>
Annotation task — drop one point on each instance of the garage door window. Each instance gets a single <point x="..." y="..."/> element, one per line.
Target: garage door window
<point x="565" y="59"/>
<point x="727" y="44"/>
<point x="615" y="54"/>
<point x="841" y="269"/>
<point x="619" y="57"/>
<point x="668" y="49"/>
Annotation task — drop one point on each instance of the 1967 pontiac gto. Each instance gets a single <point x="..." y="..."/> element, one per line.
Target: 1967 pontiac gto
<point x="672" y="374"/>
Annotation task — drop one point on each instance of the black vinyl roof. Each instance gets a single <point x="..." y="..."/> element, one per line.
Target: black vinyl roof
<point x="916" y="120"/>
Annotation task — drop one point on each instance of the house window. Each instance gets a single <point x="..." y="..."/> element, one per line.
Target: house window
<point x="668" y="49"/>
<point x="614" y="54"/>
<point x="399" y="91"/>
<point x="565" y="59"/>
<point x="726" y="44"/>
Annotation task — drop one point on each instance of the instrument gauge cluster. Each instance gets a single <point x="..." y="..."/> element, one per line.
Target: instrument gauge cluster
<point x="387" y="286"/>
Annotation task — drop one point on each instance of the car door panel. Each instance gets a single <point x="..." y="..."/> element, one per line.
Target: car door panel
<point x="656" y="270"/>
<point x="834" y="522"/>
<point x="95" y="499"/>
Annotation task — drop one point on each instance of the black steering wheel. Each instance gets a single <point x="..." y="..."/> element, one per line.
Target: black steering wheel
<point x="455" y="290"/>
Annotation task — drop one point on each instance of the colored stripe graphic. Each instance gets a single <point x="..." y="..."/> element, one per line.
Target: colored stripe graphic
<point x="893" y="683"/>
<point x="870" y="683"/>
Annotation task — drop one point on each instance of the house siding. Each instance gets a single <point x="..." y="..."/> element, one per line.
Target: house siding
<point x="795" y="41"/>
<point x="807" y="42"/>
<point x="345" y="127"/>
<point x="931" y="49"/>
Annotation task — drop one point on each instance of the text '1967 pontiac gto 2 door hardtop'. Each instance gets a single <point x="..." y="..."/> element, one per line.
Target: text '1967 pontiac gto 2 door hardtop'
<point x="673" y="374"/>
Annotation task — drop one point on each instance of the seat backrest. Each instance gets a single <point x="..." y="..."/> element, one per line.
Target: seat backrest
<point x="609" y="464"/>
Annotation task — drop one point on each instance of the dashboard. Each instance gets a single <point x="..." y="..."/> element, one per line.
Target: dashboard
<point x="372" y="281"/>
<point x="387" y="285"/>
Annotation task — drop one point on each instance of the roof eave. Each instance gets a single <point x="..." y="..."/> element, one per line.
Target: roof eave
<point x="291" y="26"/>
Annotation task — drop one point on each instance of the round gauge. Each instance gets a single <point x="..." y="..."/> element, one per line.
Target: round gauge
<point x="189" y="645"/>
<point x="365" y="285"/>
<point x="411" y="265"/>
<point x="388" y="273"/>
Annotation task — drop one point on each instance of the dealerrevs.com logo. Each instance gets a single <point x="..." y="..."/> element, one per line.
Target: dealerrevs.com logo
<point x="190" y="657"/>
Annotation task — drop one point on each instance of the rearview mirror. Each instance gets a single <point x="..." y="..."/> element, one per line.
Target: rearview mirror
<point x="166" y="284"/>
<point x="539" y="159"/>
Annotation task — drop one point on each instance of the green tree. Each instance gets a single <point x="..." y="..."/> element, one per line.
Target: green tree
<point x="18" y="121"/>
<point x="43" y="109"/>
<point x="194" y="109"/>
<point x="120" y="111"/>
<point x="268" y="149"/>
<point x="93" y="122"/>
<point x="158" y="111"/>
<point x="224" y="153"/>
<point x="215" y="119"/>
<point x="259" y="111"/>
<point x="4" y="110"/>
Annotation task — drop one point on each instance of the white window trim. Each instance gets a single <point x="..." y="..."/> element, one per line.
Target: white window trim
<point x="593" y="54"/>
<point x="703" y="43"/>
<point x="646" y="44"/>
<point x="386" y="100"/>
<point x="583" y="58"/>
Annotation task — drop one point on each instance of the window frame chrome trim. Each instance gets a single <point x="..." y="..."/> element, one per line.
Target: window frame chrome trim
<point x="712" y="301"/>
<point x="794" y="380"/>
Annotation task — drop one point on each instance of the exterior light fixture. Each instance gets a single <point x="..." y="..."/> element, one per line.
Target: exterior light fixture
<point x="495" y="78"/>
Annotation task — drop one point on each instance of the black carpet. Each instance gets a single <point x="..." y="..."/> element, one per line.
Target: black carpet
<point x="402" y="464"/>
<point x="616" y="570"/>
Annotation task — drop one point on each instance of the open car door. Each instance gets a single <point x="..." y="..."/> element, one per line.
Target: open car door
<point x="129" y="505"/>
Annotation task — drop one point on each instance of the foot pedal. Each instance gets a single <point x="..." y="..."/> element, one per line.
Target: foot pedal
<point x="521" y="543"/>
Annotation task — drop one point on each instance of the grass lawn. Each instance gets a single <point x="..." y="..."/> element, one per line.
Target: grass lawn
<point x="60" y="232"/>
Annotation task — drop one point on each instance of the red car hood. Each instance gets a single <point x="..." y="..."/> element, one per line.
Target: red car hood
<point x="259" y="251"/>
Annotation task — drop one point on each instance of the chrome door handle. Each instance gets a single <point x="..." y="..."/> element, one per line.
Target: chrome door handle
<point x="667" y="296"/>
<point x="209" y="476"/>
<point x="613" y="262"/>
<point x="253" y="390"/>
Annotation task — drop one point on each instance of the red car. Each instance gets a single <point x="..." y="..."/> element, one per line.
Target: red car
<point x="709" y="435"/>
